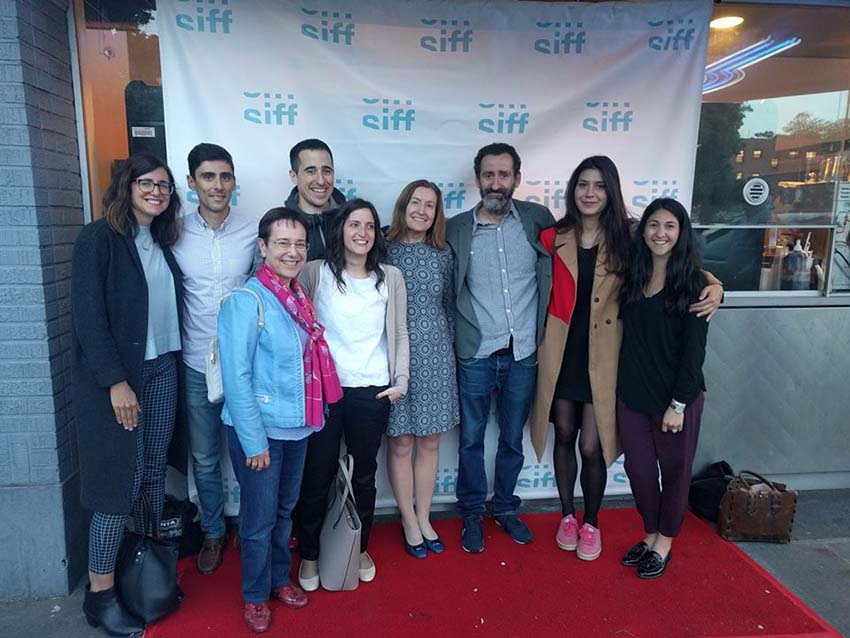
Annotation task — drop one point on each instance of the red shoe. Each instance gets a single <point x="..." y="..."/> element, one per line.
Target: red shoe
<point x="291" y="596"/>
<point x="258" y="617"/>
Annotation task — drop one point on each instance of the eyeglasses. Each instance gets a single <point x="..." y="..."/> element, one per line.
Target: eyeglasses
<point x="285" y="244"/>
<point x="147" y="186"/>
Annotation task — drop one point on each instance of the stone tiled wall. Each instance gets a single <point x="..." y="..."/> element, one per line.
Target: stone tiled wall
<point x="42" y="530"/>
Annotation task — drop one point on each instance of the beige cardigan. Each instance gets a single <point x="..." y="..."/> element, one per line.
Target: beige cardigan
<point x="396" y="318"/>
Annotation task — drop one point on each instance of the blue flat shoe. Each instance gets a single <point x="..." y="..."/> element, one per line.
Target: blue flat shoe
<point x="417" y="551"/>
<point x="436" y="545"/>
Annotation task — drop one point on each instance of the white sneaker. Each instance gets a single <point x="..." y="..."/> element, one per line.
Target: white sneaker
<point x="309" y="578"/>
<point x="367" y="574"/>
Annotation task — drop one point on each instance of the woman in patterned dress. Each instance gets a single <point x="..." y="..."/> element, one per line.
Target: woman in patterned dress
<point x="416" y="246"/>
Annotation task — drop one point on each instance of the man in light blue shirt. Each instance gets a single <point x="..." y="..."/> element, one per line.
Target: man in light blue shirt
<point x="502" y="276"/>
<point x="215" y="252"/>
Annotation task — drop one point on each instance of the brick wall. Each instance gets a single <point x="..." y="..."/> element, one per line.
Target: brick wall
<point x="40" y="216"/>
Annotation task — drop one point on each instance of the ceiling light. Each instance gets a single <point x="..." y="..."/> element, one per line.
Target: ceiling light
<point x="726" y="22"/>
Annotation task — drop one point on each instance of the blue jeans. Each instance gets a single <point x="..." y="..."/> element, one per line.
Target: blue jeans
<point x="204" y="422"/>
<point x="265" y="514"/>
<point x="513" y="382"/>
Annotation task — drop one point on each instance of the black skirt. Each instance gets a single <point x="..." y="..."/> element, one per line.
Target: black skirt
<point x="574" y="380"/>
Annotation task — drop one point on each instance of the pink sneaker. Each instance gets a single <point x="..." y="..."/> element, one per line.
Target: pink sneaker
<point x="567" y="536"/>
<point x="589" y="543"/>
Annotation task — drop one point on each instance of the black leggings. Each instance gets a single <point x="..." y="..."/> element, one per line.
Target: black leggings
<point x="570" y="417"/>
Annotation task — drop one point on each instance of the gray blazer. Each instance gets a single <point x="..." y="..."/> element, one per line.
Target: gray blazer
<point x="535" y="218"/>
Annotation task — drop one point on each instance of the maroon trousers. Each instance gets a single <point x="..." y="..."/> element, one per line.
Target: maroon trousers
<point x="646" y="448"/>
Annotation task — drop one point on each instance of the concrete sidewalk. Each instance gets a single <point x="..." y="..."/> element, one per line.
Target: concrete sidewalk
<point x="815" y="567"/>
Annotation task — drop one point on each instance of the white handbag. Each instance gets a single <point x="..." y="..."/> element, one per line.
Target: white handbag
<point x="215" y="387"/>
<point x="339" y="559"/>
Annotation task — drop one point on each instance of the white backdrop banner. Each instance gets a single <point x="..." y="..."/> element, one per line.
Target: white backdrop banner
<point x="403" y="90"/>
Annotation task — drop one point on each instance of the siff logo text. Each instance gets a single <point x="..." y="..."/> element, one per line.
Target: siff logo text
<point x="657" y="188"/>
<point x="454" y="195"/>
<point x="455" y="36"/>
<point x="613" y="117"/>
<point x="552" y="195"/>
<point x="510" y="119"/>
<point x="274" y="111"/>
<point x="680" y="35"/>
<point x="564" y="41"/>
<point x="208" y="19"/>
<point x="399" y="118"/>
<point x="330" y="28"/>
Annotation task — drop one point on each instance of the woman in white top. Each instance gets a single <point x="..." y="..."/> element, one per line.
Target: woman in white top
<point x="362" y="302"/>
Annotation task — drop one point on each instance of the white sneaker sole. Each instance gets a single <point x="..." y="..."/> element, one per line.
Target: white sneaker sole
<point x="589" y="556"/>
<point x="566" y="548"/>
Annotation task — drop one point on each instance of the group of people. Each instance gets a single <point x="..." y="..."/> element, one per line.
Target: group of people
<point x="330" y="328"/>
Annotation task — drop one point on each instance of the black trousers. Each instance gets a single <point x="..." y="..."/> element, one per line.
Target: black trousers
<point x="362" y="419"/>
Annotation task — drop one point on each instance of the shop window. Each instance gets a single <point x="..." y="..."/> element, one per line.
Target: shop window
<point x="783" y="230"/>
<point x="120" y="85"/>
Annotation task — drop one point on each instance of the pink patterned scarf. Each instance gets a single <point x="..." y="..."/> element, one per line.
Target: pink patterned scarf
<point x="321" y="385"/>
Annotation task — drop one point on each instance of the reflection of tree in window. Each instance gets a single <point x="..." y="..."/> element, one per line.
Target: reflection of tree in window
<point x="818" y="129"/>
<point x="716" y="188"/>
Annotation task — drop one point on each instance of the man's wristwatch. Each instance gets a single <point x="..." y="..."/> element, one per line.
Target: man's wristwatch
<point x="677" y="406"/>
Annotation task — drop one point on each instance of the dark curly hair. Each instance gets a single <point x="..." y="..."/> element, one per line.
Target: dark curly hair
<point x="335" y="250"/>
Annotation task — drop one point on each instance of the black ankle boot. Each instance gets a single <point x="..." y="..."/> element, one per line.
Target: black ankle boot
<point x="102" y="609"/>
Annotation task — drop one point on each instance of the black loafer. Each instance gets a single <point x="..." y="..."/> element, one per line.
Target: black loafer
<point x="635" y="554"/>
<point x="652" y="565"/>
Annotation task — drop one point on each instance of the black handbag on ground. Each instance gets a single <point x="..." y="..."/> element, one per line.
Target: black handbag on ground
<point x="707" y="490"/>
<point x="146" y="574"/>
<point x="178" y="525"/>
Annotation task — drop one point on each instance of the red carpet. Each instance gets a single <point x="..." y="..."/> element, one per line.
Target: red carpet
<point x="710" y="589"/>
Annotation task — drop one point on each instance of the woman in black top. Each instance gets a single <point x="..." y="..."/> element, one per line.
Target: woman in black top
<point x="660" y="384"/>
<point x="126" y="305"/>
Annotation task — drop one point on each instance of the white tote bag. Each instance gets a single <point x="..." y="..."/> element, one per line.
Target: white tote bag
<point x="339" y="560"/>
<point x="215" y="387"/>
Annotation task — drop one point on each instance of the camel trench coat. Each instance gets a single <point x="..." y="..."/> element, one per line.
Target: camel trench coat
<point x="606" y="335"/>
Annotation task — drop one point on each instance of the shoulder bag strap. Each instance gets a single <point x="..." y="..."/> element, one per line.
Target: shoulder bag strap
<point x="261" y="318"/>
<point x="346" y="465"/>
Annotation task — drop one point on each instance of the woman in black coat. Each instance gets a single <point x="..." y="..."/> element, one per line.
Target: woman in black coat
<point x="126" y="301"/>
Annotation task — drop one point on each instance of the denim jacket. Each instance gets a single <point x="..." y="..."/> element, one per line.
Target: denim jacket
<point x="262" y="374"/>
